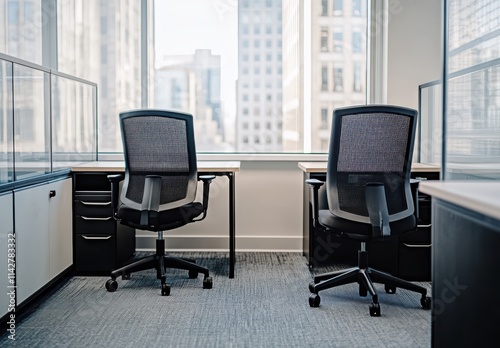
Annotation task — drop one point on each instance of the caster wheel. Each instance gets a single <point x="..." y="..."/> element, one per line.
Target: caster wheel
<point x="165" y="289"/>
<point x="193" y="274"/>
<point x="314" y="300"/>
<point x="311" y="286"/>
<point x="207" y="283"/>
<point x="425" y="302"/>
<point x="111" y="285"/>
<point x="375" y="310"/>
<point x="363" y="292"/>
<point x="390" y="289"/>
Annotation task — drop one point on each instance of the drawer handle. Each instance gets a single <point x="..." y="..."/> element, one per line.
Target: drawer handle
<point x="95" y="203"/>
<point x="417" y="245"/>
<point x="96" y="218"/>
<point x="95" y="238"/>
<point x="424" y="226"/>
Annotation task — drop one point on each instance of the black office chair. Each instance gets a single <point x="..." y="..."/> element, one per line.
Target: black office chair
<point x="159" y="189"/>
<point x="368" y="192"/>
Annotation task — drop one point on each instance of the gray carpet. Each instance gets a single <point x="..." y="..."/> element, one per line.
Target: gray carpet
<point x="265" y="305"/>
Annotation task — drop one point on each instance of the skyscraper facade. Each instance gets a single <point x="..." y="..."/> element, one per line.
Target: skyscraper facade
<point x="259" y="87"/>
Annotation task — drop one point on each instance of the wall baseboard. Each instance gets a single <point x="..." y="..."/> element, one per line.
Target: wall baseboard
<point x="221" y="243"/>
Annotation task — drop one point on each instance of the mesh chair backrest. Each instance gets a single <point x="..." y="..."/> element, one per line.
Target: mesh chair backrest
<point x="159" y="142"/>
<point x="372" y="143"/>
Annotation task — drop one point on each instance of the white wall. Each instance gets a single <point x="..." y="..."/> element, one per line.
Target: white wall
<point x="414" y="48"/>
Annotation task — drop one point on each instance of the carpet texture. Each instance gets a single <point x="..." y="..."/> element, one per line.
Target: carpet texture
<point x="265" y="305"/>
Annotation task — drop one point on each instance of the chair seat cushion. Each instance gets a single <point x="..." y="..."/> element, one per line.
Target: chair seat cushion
<point x="358" y="230"/>
<point x="167" y="219"/>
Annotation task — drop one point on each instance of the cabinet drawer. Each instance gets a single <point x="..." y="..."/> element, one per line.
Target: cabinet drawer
<point x="95" y="225"/>
<point x="93" y="205"/>
<point x="94" y="253"/>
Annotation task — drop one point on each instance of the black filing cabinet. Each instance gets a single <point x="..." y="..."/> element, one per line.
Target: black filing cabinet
<point x="101" y="244"/>
<point x="415" y="246"/>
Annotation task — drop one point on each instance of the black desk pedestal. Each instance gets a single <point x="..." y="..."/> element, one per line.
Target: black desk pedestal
<point x="465" y="281"/>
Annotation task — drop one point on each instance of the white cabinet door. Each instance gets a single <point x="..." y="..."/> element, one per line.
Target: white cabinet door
<point x="7" y="265"/>
<point x="32" y="239"/>
<point x="61" y="227"/>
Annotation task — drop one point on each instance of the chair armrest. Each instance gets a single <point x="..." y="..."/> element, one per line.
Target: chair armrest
<point x="115" y="190"/>
<point x="150" y="201"/>
<point x="376" y="203"/>
<point x="315" y="184"/>
<point x="207" y="180"/>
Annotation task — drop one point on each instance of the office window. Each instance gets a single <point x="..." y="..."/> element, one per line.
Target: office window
<point x="324" y="78"/>
<point x="200" y="72"/>
<point x="357" y="85"/>
<point x="338" y="7"/>
<point x="80" y="46"/>
<point x="324" y="7"/>
<point x="356" y="8"/>
<point x="324" y="118"/>
<point x="21" y="32"/>
<point x="357" y="42"/>
<point x="324" y="39"/>
<point x="338" y="40"/>
<point x="338" y="79"/>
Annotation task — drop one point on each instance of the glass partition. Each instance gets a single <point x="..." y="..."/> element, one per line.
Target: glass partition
<point x="430" y="136"/>
<point x="73" y="121"/>
<point x="6" y="144"/>
<point x="48" y="121"/>
<point x="31" y="122"/>
<point x="472" y="96"/>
